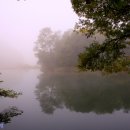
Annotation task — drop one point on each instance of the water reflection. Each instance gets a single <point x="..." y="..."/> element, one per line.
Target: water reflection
<point x="7" y="114"/>
<point x="84" y="92"/>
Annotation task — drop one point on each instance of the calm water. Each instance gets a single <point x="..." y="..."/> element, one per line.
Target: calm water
<point x="68" y="101"/>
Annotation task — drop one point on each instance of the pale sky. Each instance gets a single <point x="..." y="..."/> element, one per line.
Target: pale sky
<point x="21" y="21"/>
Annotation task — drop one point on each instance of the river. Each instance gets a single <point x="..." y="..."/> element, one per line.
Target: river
<point x="66" y="101"/>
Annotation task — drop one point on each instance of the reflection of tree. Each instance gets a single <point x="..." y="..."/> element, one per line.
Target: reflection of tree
<point x="99" y="94"/>
<point x="8" y="114"/>
<point x="50" y="100"/>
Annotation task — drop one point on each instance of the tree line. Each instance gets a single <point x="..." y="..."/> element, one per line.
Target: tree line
<point x="59" y="51"/>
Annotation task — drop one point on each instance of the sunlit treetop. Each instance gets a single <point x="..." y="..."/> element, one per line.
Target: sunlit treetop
<point x="112" y="19"/>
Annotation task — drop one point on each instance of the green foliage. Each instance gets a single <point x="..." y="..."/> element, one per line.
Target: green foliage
<point x="9" y="93"/>
<point x="8" y="114"/>
<point x="110" y="18"/>
<point x="103" y="57"/>
<point x="55" y="51"/>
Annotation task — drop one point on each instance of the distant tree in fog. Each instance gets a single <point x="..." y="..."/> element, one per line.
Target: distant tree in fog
<point x="45" y="48"/>
<point x="56" y="51"/>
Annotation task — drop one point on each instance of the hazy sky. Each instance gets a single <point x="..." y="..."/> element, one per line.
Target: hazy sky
<point x="21" y="21"/>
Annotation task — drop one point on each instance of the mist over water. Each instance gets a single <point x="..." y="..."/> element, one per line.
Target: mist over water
<point x="40" y="84"/>
<point x="9" y="57"/>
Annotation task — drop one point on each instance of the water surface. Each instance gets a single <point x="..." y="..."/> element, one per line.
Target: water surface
<point x="67" y="101"/>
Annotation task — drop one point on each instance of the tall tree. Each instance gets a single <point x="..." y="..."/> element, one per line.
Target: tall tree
<point x="112" y="19"/>
<point x="45" y="48"/>
<point x="59" y="52"/>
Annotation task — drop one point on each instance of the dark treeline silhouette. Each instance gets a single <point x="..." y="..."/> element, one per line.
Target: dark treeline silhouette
<point x="56" y="51"/>
<point x="84" y="92"/>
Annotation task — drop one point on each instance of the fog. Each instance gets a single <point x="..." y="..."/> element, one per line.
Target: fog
<point x="59" y="51"/>
<point x="21" y="22"/>
<point x="10" y="57"/>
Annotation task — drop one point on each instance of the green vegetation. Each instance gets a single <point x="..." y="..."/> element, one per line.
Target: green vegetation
<point x="9" y="93"/>
<point x="8" y="114"/>
<point x="60" y="52"/>
<point x="111" y="19"/>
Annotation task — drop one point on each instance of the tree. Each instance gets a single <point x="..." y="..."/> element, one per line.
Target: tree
<point x="59" y="52"/>
<point x="45" y="48"/>
<point x="111" y="19"/>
